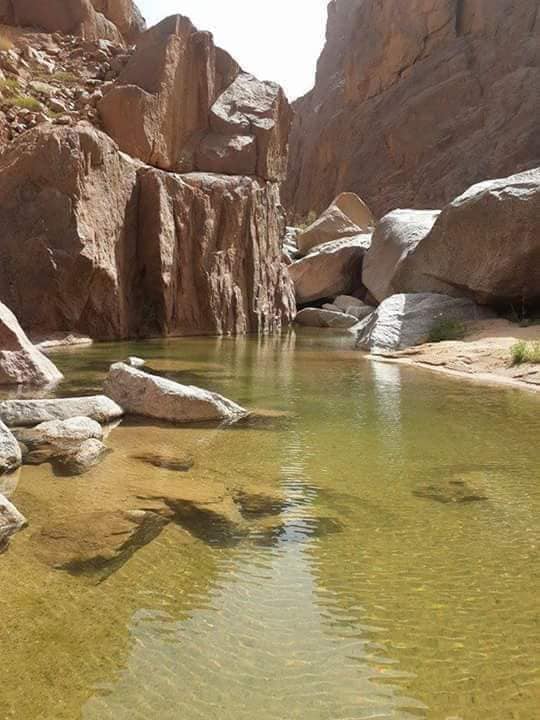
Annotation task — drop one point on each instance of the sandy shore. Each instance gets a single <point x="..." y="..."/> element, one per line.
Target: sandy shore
<point x="483" y="356"/>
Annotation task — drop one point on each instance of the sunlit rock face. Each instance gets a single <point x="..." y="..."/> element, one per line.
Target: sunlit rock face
<point x="414" y="102"/>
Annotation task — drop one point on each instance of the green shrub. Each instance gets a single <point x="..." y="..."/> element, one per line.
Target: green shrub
<point x="9" y="86"/>
<point x="447" y="330"/>
<point x="26" y="102"/>
<point x="525" y="352"/>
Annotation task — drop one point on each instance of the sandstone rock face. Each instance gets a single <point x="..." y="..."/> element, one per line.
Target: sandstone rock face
<point x="127" y="250"/>
<point x="68" y="211"/>
<point x="315" y="317"/>
<point x="27" y="413"/>
<point x="142" y="394"/>
<point x="71" y="17"/>
<point x="345" y="217"/>
<point x="11" y="521"/>
<point x="415" y="101"/>
<point x="334" y="268"/>
<point x="405" y="320"/>
<point x="210" y="253"/>
<point x="125" y="15"/>
<point x="20" y="361"/>
<point x="395" y="237"/>
<point x="485" y="244"/>
<point x="182" y="104"/>
<point x="10" y="452"/>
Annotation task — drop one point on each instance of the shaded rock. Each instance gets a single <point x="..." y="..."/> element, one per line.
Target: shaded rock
<point x="396" y="236"/>
<point x="331" y="269"/>
<point x="152" y="396"/>
<point x="63" y="441"/>
<point x="69" y="217"/>
<point x="20" y="361"/>
<point x="346" y="216"/>
<point x="90" y="453"/>
<point x="27" y="413"/>
<point x="233" y="154"/>
<point x="485" y="243"/>
<point x="10" y="452"/>
<point x="167" y="463"/>
<point x="125" y="15"/>
<point x="11" y="521"/>
<point x="411" y="99"/>
<point x="352" y="306"/>
<point x="316" y="317"/>
<point x="405" y="320"/>
<point x="453" y="491"/>
<point x="211" y="255"/>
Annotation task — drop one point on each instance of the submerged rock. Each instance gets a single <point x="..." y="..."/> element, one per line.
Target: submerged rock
<point x="315" y="317"/>
<point x="20" y="361"/>
<point x="89" y="454"/>
<point x="167" y="463"/>
<point x="405" y="320"/>
<point x="10" y="452"/>
<point x="453" y="491"/>
<point x="11" y="521"/>
<point x="139" y="393"/>
<point x="27" y="413"/>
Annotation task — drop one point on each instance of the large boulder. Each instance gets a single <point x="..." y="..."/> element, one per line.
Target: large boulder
<point x="485" y="244"/>
<point x="71" y="17"/>
<point x="322" y="318"/>
<point x="11" y="521"/>
<point x="210" y="254"/>
<point x="151" y="396"/>
<point x="348" y="215"/>
<point x="125" y="15"/>
<point x="402" y="321"/>
<point x="182" y="104"/>
<point x="20" y="361"/>
<point x="395" y="237"/>
<point x="28" y="413"/>
<point x="334" y="268"/>
<point x="415" y="101"/>
<point x="68" y="213"/>
<point x="10" y="452"/>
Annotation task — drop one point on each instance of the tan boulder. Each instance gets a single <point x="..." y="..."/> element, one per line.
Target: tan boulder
<point x="484" y="244"/>
<point x="10" y="452"/>
<point x="125" y="15"/>
<point x="211" y="255"/>
<point x="396" y="236"/>
<point x="71" y="17"/>
<point x="348" y="215"/>
<point x="329" y="270"/>
<point x="68" y="213"/>
<point x="20" y="361"/>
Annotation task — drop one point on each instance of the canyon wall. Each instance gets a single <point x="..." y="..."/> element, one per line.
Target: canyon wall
<point x="415" y="101"/>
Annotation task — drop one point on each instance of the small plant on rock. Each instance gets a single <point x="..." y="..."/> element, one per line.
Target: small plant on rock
<point x="447" y="330"/>
<point x="525" y="352"/>
<point x="25" y="102"/>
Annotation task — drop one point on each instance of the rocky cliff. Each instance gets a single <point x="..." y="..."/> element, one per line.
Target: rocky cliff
<point x="415" y="101"/>
<point x="139" y="185"/>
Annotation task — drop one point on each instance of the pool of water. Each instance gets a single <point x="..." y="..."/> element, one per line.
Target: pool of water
<point x="366" y="546"/>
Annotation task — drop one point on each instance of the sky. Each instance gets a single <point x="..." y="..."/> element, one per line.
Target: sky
<point x="278" y="40"/>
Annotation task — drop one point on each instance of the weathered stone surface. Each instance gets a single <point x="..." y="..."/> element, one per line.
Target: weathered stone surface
<point x="316" y="317"/>
<point x="68" y="213"/>
<point x="395" y="237"/>
<point x="331" y="269"/>
<point x="485" y="244"/>
<point x="182" y="104"/>
<point x="20" y="361"/>
<point x="10" y="452"/>
<point x="28" y="413"/>
<point x="353" y="306"/>
<point x="415" y="101"/>
<point x="345" y="217"/>
<point x="210" y="254"/>
<point x="89" y="454"/>
<point x="125" y="15"/>
<point x="57" y="439"/>
<point x="139" y="393"/>
<point x="72" y="17"/>
<point x="403" y="320"/>
<point x="11" y="521"/>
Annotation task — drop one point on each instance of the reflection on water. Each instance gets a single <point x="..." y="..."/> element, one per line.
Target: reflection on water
<point x="301" y="569"/>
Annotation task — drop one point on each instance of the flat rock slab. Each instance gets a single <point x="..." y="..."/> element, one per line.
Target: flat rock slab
<point x="27" y="413"/>
<point x="315" y="317"/>
<point x="139" y="393"/>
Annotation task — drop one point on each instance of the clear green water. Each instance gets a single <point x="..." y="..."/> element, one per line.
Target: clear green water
<point x="363" y="595"/>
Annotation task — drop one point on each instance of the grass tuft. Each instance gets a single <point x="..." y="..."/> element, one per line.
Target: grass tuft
<point x="9" y="86"/>
<point x="25" y="102"/>
<point x="447" y="330"/>
<point x="525" y="352"/>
